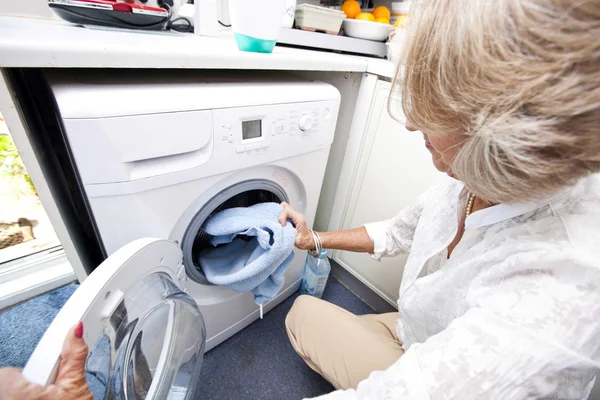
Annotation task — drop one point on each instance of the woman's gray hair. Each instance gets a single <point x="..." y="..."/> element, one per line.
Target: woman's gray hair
<point x="520" y="79"/>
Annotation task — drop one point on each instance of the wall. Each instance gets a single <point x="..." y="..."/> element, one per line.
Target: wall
<point x="26" y="8"/>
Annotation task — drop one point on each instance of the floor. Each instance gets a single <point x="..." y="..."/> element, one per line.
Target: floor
<point x="23" y="325"/>
<point x="257" y="363"/>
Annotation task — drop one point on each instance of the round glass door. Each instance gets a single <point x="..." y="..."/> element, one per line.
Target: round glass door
<point x="151" y="346"/>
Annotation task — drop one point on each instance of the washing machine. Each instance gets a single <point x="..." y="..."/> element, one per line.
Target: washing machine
<point x="157" y="156"/>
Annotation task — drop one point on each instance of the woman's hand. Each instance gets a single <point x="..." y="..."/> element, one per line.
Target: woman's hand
<point x="304" y="239"/>
<point x="70" y="382"/>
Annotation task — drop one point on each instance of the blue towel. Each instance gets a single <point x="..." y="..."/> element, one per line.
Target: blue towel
<point x="256" y="265"/>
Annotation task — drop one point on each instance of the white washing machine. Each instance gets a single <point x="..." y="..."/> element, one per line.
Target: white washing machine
<point x="157" y="157"/>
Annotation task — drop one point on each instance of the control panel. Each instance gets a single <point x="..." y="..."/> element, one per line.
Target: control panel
<point x="215" y="124"/>
<point x="273" y="132"/>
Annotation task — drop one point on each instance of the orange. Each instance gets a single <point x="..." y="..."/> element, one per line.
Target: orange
<point x="365" y="16"/>
<point x="351" y="8"/>
<point x="382" y="20"/>
<point x="381" y="12"/>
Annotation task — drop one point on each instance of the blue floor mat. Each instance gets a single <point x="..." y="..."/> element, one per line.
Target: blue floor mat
<point x="257" y="363"/>
<point x="22" y="326"/>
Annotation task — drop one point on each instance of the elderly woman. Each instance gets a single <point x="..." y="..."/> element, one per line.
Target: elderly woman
<point x="500" y="297"/>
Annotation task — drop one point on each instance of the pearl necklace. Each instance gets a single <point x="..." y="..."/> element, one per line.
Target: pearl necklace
<point x="470" y="204"/>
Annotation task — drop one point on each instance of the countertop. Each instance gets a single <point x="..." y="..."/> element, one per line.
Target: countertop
<point x="36" y="43"/>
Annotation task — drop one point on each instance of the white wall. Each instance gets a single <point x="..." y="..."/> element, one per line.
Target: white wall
<point x="26" y="8"/>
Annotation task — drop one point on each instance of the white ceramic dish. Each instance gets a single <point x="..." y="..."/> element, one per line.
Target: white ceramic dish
<point x="366" y="29"/>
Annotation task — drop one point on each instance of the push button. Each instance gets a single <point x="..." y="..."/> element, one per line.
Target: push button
<point x="230" y="137"/>
<point x="240" y="149"/>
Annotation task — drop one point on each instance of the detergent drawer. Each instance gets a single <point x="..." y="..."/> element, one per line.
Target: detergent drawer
<point x="121" y="149"/>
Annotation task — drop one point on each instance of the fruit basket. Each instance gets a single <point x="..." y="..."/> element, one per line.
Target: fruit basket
<point x="374" y="25"/>
<point x="314" y="18"/>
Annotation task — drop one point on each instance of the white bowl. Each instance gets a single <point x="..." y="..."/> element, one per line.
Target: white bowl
<point x="369" y="30"/>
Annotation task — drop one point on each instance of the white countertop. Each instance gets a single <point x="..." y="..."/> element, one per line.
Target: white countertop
<point x="39" y="43"/>
<point x="381" y="67"/>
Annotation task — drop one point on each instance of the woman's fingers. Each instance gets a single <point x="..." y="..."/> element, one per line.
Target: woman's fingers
<point x="71" y="375"/>
<point x="283" y="215"/>
<point x="304" y="238"/>
<point x="70" y="383"/>
<point x="289" y="213"/>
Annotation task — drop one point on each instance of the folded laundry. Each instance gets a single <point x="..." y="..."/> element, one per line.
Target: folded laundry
<point x="251" y="250"/>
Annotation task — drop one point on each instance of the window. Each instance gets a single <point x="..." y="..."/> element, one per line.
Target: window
<point x="29" y="247"/>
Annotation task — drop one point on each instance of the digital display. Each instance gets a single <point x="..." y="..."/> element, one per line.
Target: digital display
<point x="251" y="129"/>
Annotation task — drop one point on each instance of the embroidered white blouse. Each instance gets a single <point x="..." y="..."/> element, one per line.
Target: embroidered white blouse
<point x="514" y="313"/>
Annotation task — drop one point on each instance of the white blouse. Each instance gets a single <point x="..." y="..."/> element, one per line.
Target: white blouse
<point x="514" y="313"/>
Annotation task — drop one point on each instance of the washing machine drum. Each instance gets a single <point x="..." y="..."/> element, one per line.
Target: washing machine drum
<point x="146" y="336"/>
<point x="245" y="194"/>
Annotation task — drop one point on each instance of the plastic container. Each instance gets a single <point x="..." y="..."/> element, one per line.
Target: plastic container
<point x="256" y="23"/>
<point x="314" y="18"/>
<point x="289" y="14"/>
<point x="316" y="272"/>
<point x="368" y="30"/>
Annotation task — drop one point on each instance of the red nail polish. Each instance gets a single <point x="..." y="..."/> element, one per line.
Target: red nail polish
<point x="79" y="330"/>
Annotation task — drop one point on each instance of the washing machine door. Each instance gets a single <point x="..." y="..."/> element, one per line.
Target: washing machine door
<point x="146" y="336"/>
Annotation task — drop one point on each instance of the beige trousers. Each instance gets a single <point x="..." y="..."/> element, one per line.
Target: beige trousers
<point x="342" y="347"/>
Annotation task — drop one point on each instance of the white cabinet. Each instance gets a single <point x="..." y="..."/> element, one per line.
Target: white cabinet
<point x="385" y="168"/>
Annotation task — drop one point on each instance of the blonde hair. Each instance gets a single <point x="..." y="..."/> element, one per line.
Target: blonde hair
<point x="519" y="78"/>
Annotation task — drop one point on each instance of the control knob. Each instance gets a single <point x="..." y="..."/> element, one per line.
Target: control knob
<point x="305" y="123"/>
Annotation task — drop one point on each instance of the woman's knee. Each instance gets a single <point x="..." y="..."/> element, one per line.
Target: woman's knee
<point x="303" y="307"/>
